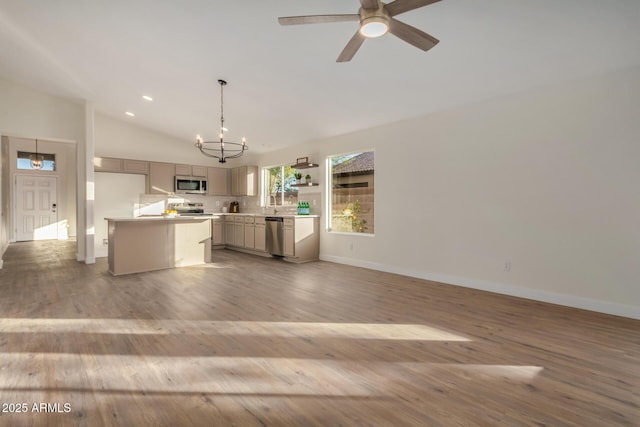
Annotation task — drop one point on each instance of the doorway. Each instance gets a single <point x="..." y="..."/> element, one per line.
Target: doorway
<point x="36" y="204"/>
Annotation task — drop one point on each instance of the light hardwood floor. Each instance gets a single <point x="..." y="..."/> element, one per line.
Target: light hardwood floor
<point x="250" y="341"/>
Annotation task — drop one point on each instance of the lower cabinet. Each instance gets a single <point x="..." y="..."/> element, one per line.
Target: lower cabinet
<point x="289" y="237"/>
<point x="249" y="232"/>
<point x="238" y="234"/>
<point x="217" y="231"/>
<point x="229" y="230"/>
<point x="260" y="234"/>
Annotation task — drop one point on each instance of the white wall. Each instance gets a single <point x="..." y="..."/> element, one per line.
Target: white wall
<point x="28" y="113"/>
<point x="117" y="196"/>
<point x="126" y="139"/>
<point x="545" y="180"/>
<point x="4" y="196"/>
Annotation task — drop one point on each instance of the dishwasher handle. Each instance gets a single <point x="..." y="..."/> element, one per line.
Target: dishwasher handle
<point x="274" y="218"/>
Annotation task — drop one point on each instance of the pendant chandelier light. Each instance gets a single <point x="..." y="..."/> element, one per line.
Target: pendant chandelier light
<point x="37" y="160"/>
<point x="221" y="150"/>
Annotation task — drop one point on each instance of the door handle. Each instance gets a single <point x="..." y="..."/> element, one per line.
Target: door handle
<point x="53" y="207"/>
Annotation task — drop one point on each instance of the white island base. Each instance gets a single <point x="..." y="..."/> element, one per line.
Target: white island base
<point x="153" y="243"/>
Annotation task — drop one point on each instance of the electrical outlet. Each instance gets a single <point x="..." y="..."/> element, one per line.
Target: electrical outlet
<point x="217" y="203"/>
<point x="314" y="202"/>
<point x="105" y="242"/>
<point x="507" y="266"/>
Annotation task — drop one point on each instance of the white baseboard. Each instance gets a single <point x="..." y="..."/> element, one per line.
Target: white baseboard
<point x="500" y="288"/>
<point x="1" y="264"/>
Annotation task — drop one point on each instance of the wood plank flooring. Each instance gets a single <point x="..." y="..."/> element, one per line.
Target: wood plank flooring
<point x="251" y="341"/>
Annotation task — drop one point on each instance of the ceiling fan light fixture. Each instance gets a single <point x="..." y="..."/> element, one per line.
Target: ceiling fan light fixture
<point x="374" y="26"/>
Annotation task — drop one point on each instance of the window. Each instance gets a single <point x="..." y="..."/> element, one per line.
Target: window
<point x="278" y="189"/>
<point x="351" y="192"/>
<point x="24" y="161"/>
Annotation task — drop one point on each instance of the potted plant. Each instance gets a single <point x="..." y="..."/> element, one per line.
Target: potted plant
<point x="298" y="177"/>
<point x="308" y="179"/>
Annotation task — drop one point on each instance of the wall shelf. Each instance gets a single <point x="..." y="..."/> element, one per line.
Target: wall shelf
<point x="308" y="184"/>
<point x="304" y="163"/>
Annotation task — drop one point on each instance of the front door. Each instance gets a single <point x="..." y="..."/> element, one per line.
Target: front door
<point x="36" y="207"/>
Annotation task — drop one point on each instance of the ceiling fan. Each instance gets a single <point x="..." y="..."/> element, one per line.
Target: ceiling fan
<point x="376" y="19"/>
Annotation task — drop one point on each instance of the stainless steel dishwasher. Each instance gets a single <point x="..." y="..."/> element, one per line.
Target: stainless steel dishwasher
<point x="275" y="235"/>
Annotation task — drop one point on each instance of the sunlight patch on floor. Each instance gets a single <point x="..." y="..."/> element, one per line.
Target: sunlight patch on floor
<point x="198" y="327"/>
<point x="32" y="372"/>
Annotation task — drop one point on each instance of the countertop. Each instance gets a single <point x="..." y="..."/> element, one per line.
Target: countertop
<point x="161" y="218"/>
<point x="270" y="214"/>
<point x="201" y="217"/>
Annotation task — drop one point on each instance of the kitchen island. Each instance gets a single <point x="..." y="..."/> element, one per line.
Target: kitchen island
<point x="156" y="242"/>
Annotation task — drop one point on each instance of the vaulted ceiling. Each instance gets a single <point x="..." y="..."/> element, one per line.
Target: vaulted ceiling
<point x="284" y="86"/>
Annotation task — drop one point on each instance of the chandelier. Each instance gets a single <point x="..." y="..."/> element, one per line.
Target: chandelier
<point x="221" y="150"/>
<point x="37" y="160"/>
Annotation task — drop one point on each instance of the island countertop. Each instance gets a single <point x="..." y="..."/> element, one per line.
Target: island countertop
<point x="163" y="218"/>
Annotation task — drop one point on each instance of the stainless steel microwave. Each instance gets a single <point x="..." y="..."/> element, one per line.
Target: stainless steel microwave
<point x="190" y="185"/>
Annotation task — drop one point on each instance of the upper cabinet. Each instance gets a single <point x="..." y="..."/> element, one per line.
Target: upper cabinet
<point x="244" y="181"/>
<point x="135" y="166"/>
<point x="107" y="164"/>
<point x="189" y="170"/>
<point x="111" y="164"/>
<point x="217" y="181"/>
<point x="161" y="178"/>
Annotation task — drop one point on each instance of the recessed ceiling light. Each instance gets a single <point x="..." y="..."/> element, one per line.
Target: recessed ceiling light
<point x="147" y="98"/>
<point x="130" y="114"/>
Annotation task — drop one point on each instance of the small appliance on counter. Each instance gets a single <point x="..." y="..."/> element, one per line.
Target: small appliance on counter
<point x="234" y="207"/>
<point x="187" y="209"/>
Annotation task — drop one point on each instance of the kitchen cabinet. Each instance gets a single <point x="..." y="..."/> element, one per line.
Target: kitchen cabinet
<point x="238" y="233"/>
<point x="244" y="181"/>
<point x="107" y="164"/>
<point x="113" y="164"/>
<point x="260" y="234"/>
<point x="217" y="182"/>
<point x="301" y="239"/>
<point x="183" y="170"/>
<point x="217" y="231"/>
<point x="229" y="230"/>
<point x="145" y="244"/>
<point x="289" y="237"/>
<point x="135" y="166"/>
<point x="198" y="171"/>
<point x="301" y="235"/>
<point x="191" y="170"/>
<point x="249" y="232"/>
<point x="161" y="178"/>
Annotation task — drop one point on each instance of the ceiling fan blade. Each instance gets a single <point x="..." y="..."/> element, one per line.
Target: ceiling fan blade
<point x="369" y="4"/>
<point x="317" y="19"/>
<point x="351" y="48"/>
<point x="412" y="35"/>
<point x="401" y="6"/>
